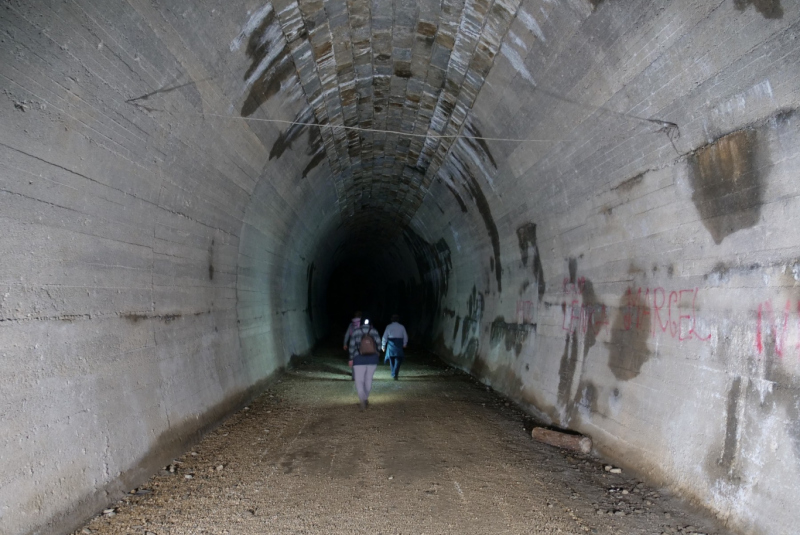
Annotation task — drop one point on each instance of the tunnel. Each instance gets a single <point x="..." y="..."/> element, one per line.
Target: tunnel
<point x="588" y="206"/>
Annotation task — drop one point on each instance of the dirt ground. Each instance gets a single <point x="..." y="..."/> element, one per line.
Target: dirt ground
<point x="435" y="452"/>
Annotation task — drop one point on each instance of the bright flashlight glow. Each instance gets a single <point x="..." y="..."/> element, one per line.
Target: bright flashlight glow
<point x="366" y="322"/>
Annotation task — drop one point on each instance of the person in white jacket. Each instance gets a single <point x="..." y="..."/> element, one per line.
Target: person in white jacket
<point x="394" y="341"/>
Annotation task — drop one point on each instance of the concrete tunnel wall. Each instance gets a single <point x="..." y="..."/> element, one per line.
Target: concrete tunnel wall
<point x="631" y="275"/>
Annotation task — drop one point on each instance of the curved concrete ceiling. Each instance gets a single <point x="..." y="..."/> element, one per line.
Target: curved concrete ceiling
<point x="400" y="77"/>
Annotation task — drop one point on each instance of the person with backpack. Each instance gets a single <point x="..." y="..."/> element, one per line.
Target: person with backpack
<point x="395" y="339"/>
<point x="355" y="323"/>
<point x="364" y="359"/>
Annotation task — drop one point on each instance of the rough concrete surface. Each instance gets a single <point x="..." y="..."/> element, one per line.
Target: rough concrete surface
<point x="590" y="205"/>
<point x="435" y="452"/>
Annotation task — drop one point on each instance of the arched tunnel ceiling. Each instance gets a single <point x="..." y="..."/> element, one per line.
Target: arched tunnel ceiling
<point x="366" y="68"/>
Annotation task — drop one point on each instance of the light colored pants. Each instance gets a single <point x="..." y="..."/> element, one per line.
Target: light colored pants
<point x="363" y="376"/>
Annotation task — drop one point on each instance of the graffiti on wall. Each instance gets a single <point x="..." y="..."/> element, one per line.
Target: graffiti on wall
<point x="579" y="315"/>
<point x="657" y="310"/>
<point x="773" y="328"/>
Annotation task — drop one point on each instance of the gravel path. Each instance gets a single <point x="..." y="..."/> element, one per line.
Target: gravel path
<point x="436" y="452"/>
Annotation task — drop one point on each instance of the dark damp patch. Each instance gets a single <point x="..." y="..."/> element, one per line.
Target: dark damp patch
<point x="628" y="349"/>
<point x="279" y="70"/>
<point x="458" y="197"/>
<point x="491" y="263"/>
<point x="721" y="273"/>
<point x="449" y="312"/>
<point x="634" y="270"/>
<point x="784" y="116"/>
<point x="402" y="69"/>
<point x="572" y="267"/>
<point x="770" y="9"/>
<point x="731" y="426"/>
<point x="192" y="95"/>
<point x="456" y="326"/>
<point x="478" y="144"/>
<point x="513" y="334"/>
<point x="627" y="185"/>
<point x="309" y="300"/>
<point x="474" y="314"/>
<point x="211" y="260"/>
<point x="486" y="213"/>
<point x="166" y="318"/>
<point x="786" y="386"/>
<point x="315" y="161"/>
<point x="293" y="133"/>
<point x="434" y="264"/>
<point x="471" y="353"/>
<point x="315" y="149"/>
<point x="524" y="286"/>
<point x="670" y="270"/>
<point x="595" y="313"/>
<point x="727" y="183"/>
<point x="587" y="397"/>
<point x="526" y="235"/>
<point x="566" y="370"/>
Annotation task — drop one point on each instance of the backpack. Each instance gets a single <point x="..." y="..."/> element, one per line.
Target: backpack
<point x="367" y="346"/>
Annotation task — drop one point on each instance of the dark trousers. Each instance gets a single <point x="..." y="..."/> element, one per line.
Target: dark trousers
<point x="395" y="363"/>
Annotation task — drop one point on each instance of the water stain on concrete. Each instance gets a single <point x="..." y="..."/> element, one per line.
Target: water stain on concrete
<point x="211" y="261"/>
<point x="434" y="263"/>
<point x="309" y="300"/>
<point x="572" y="269"/>
<point x="587" y="397"/>
<point x="315" y="161"/>
<point x="514" y="335"/>
<point x="595" y="314"/>
<point x="478" y="144"/>
<point x="720" y="274"/>
<point x="566" y="369"/>
<point x="770" y="9"/>
<point x="727" y="184"/>
<point x="627" y="185"/>
<point x="472" y="320"/>
<point x="402" y="69"/>
<point x="628" y="350"/>
<point x="315" y="149"/>
<point x="471" y="352"/>
<point x="459" y="199"/>
<point x="730" y="446"/>
<point x="785" y="392"/>
<point x="192" y="95"/>
<point x="287" y="137"/>
<point x="526" y="235"/>
<point x="280" y="69"/>
<point x="455" y="328"/>
<point x="486" y="213"/>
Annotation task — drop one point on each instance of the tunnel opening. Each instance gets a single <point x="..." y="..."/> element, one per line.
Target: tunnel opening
<point x="398" y="273"/>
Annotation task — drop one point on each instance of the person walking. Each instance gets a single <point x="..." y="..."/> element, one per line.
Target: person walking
<point x="364" y="359"/>
<point x="355" y="323"/>
<point x="394" y="341"/>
